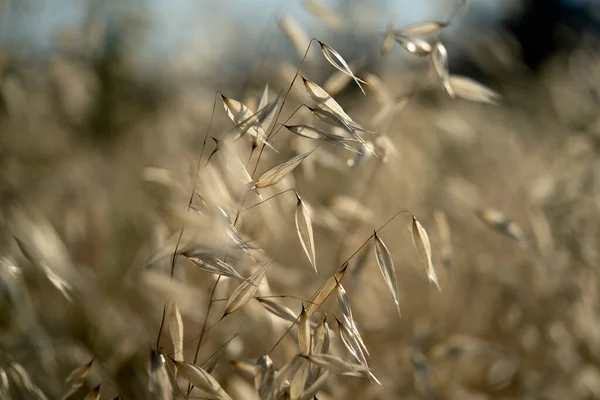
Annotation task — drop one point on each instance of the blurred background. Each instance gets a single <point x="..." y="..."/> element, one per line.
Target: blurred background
<point x="104" y="107"/>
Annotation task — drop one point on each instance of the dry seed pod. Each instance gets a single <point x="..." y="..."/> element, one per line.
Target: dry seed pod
<point x="343" y="302"/>
<point x="330" y="118"/>
<point x="202" y="380"/>
<point x="467" y="88"/>
<point x="310" y="132"/>
<point x="176" y="331"/>
<point x="326" y="102"/>
<point x="246" y="290"/>
<point x="305" y="231"/>
<point x="386" y="265"/>
<point x="299" y="379"/>
<point x="238" y="113"/>
<point x="76" y="379"/>
<point x="351" y="343"/>
<point x="341" y="64"/>
<point x="325" y="290"/>
<point x="321" y="338"/>
<point x="423" y="247"/>
<point x="324" y="14"/>
<point x="277" y="309"/>
<point x="495" y="219"/>
<point x="304" y="332"/>
<point x="295" y="34"/>
<point x="440" y="61"/>
<point x="278" y="172"/>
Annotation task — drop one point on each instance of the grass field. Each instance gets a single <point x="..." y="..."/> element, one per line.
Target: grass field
<point x="156" y="234"/>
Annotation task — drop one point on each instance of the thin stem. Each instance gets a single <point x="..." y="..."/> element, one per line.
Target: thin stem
<point x="267" y="199"/>
<point x="174" y="257"/>
<point x="203" y="331"/>
<point x="345" y="262"/>
<point x="283" y="103"/>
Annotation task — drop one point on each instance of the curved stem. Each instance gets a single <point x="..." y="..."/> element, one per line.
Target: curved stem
<point x="345" y="262"/>
<point x="283" y="103"/>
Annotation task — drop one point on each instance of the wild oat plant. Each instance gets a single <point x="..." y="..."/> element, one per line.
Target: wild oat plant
<point x="297" y="252"/>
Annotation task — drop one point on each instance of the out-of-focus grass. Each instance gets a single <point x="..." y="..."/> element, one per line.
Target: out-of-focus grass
<point x="513" y="320"/>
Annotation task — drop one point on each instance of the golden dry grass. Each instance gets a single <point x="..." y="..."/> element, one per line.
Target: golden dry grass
<point x="97" y="168"/>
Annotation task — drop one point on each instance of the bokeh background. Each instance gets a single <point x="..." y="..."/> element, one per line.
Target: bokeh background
<point x="104" y="107"/>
